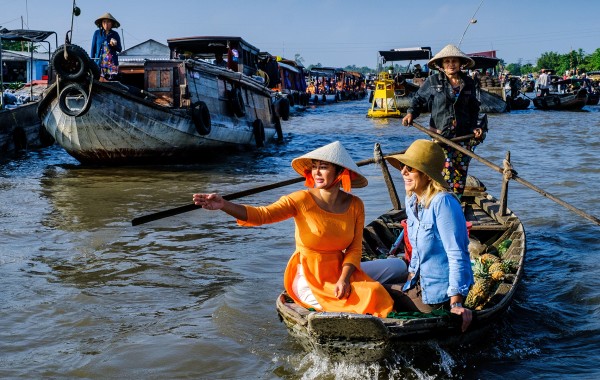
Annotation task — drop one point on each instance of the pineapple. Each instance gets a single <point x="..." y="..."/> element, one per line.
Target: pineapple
<point x="481" y="290"/>
<point x="497" y="271"/>
<point x="488" y="259"/>
<point x="509" y="266"/>
<point x="479" y="293"/>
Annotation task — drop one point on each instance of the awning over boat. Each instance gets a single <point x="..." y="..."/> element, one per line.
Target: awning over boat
<point x="406" y="54"/>
<point x="209" y="44"/>
<point x="482" y="62"/>
<point x="288" y="67"/>
<point x="25" y="35"/>
<point x="489" y="54"/>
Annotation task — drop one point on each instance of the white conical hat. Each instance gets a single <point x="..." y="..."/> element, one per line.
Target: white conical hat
<point x="334" y="153"/>
<point x="107" y="16"/>
<point x="450" y="51"/>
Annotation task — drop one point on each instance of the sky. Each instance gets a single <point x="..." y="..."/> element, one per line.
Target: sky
<point x="332" y="32"/>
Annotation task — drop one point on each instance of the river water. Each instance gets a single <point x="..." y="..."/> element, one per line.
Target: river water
<point x="84" y="294"/>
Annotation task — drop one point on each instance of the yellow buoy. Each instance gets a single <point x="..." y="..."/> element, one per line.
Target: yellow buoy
<point x="384" y="99"/>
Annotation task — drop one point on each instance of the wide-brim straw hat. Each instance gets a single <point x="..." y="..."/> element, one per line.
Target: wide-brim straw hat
<point x="424" y="155"/>
<point x="450" y="51"/>
<point x="107" y="16"/>
<point x="334" y="153"/>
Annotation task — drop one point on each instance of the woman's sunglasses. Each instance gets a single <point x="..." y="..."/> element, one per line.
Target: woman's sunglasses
<point x="409" y="169"/>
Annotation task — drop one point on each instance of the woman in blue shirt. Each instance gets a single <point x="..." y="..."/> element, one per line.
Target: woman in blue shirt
<point x="106" y="44"/>
<point x="440" y="274"/>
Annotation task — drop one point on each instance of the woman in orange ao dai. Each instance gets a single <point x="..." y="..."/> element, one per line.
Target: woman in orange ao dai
<point x="324" y="272"/>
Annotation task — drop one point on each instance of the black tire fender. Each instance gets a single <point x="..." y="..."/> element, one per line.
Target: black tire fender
<point x="19" y="138"/>
<point x="258" y="129"/>
<point x="74" y="90"/>
<point x="201" y="118"/>
<point x="237" y="102"/>
<point x="74" y="66"/>
<point x="283" y="109"/>
<point x="278" y="130"/>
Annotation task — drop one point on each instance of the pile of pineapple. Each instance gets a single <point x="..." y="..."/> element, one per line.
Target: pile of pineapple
<point x="489" y="270"/>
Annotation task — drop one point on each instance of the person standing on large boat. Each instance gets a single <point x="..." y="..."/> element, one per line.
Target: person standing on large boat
<point x="440" y="274"/>
<point x="543" y="83"/>
<point x="324" y="272"/>
<point x="106" y="44"/>
<point x="451" y="97"/>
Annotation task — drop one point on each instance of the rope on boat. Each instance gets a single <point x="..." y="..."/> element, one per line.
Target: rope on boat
<point x="508" y="171"/>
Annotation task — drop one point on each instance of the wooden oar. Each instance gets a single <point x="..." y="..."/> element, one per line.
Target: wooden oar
<point x="189" y="207"/>
<point x="514" y="176"/>
<point x="525" y="95"/>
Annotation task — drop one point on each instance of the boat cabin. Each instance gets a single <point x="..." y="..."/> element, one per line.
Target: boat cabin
<point x="415" y="74"/>
<point x="231" y="52"/>
<point x="19" y="67"/>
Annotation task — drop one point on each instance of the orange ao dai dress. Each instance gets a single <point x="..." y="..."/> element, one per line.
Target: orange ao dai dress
<point x="324" y="243"/>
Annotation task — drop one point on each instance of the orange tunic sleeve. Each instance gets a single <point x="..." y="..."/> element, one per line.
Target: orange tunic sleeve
<point x="283" y="209"/>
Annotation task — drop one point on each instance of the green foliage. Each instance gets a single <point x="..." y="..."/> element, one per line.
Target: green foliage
<point x="514" y="68"/>
<point x="594" y="60"/>
<point x="17" y="46"/>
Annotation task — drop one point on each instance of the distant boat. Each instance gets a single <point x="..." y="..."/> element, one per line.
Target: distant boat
<point x="181" y="109"/>
<point x="562" y="102"/>
<point x="331" y="84"/>
<point x="407" y="82"/>
<point x="20" y="127"/>
<point x="491" y="94"/>
<point x="287" y="79"/>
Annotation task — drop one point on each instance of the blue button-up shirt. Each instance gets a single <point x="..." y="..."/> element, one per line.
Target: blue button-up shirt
<point x="440" y="256"/>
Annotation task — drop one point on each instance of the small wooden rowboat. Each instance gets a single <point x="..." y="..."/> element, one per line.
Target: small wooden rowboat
<point x="356" y="337"/>
<point x="562" y="102"/>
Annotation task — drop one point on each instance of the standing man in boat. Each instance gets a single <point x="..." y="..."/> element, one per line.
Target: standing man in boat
<point x="324" y="272"/>
<point x="451" y="96"/>
<point x="106" y="44"/>
<point x="543" y="83"/>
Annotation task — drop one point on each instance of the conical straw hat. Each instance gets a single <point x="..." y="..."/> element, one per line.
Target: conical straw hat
<point x="334" y="153"/>
<point x="108" y="16"/>
<point x="425" y="156"/>
<point x="450" y="51"/>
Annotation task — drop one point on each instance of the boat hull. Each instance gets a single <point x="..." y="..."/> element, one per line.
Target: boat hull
<point x="123" y="125"/>
<point x="562" y="102"/>
<point x="20" y="128"/>
<point x="491" y="102"/>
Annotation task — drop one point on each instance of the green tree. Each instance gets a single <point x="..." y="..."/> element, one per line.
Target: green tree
<point x="593" y="61"/>
<point x="549" y="60"/>
<point x="298" y="59"/>
<point x="17" y="46"/>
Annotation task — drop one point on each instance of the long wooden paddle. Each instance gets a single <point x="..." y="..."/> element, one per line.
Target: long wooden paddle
<point x="515" y="177"/>
<point x="189" y="207"/>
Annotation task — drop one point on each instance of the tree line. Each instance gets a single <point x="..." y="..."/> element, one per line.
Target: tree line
<point x="574" y="61"/>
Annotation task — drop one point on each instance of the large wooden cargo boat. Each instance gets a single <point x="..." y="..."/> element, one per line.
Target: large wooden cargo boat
<point x="181" y="109"/>
<point x="356" y="337"/>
